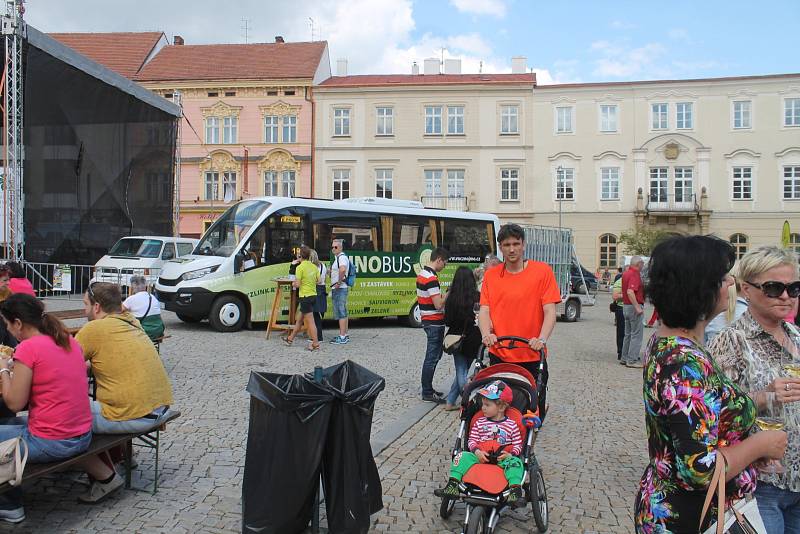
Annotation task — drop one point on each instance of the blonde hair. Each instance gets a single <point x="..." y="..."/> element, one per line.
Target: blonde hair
<point x="763" y="259"/>
<point x="314" y="257"/>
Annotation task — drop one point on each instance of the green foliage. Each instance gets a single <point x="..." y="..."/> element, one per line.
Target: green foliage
<point x="641" y="240"/>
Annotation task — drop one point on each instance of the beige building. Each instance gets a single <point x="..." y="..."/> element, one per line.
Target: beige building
<point x="717" y="156"/>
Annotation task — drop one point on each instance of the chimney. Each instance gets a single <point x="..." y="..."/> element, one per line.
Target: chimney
<point x="431" y="66"/>
<point x="414" y="68"/>
<point x="177" y="40"/>
<point x="519" y="65"/>
<point x="452" y="66"/>
<point x="279" y="39"/>
<point x="341" y="66"/>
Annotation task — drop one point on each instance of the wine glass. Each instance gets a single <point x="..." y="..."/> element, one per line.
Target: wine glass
<point x="771" y="417"/>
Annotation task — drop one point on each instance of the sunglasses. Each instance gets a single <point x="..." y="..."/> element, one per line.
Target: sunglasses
<point x="775" y="289"/>
<point x="91" y="291"/>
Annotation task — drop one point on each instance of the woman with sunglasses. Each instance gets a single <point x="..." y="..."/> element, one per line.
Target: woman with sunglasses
<point x="753" y="351"/>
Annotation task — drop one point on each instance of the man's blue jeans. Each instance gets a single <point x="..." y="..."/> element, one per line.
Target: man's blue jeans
<point x="779" y="508"/>
<point x="433" y="353"/>
<point x="462" y="364"/>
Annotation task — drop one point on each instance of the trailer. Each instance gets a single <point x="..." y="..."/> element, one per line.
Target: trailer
<point x="554" y="247"/>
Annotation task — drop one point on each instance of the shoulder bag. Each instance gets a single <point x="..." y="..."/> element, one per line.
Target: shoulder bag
<point x="12" y="461"/>
<point x="452" y="342"/>
<point x="742" y="517"/>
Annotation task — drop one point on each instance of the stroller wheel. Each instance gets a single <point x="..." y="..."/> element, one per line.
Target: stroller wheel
<point x="478" y="521"/>
<point x="446" y="508"/>
<point x="537" y="494"/>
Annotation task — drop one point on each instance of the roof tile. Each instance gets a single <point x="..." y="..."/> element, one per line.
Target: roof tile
<point x="376" y="80"/>
<point x="122" y="52"/>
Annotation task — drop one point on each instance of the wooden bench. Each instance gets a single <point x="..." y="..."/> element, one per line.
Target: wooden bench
<point x="63" y="315"/>
<point x="103" y="443"/>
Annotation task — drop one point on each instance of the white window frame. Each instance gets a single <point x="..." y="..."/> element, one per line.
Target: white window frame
<point x="740" y="246"/>
<point x="230" y="130"/>
<point x="661" y="114"/>
<point x="791" y="175"/>
<point x="433" y="119"/>
<point x="384" y="177"/>
<point x="289" y="129"/>
<point x="791" y="105"/>
<point x="684" y="115"/>
<point x="229" y="184"/>
<point x="564" y="127"/>
<point x="682" y="176"/>
<point x="609" y="183"/>
<point x="742" y="178"/>
<point x="455" y="183"/>
<point x="271" y="129"/>
<point x="211" y="178"/>
<point x="608" y="122"/>
<point x="289" y="183"/>
<point x="565" y="184"/>
<point x="341" y="177"/>
<point x="271" y="184"/>
<point x="341" y="121"/>
<point x="212" y="125"/>
<point x="509" y="184"/>
<point x="384" y="121"/>
<point x="661" y="175"/>
<point x="433" y="182"/>
<point x="455" y="120"/>
<point x="748" y="113"/>
<point x="509" y="119"/>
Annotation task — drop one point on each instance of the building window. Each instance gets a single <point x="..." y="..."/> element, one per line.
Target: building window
<point x="341" y="122"/>
<point x="739" y="242"/>
<point x="791" y="112"/>
<point x="565" y="184"/>
<point x="433" y="120"/>
<point x="341" y="184"/>
<point x="229" y="130"/>
<point x="212" y="130"/>
<point x="564" y="120"/>
<point x="608" y="118"/>
<point x="659" y="116"/>
<point x="455" y="183"/>
<point x="794" y="243"/>
<point x="742" y="116"/>
<point x="383" y="183"/>
<point x="608" y="251"/>
<point x="228" y="186"/>
<point x="385" y="124"/>
<point x="271" y="183"/>
<point x="271" y="129"/>
<point x="290" y="128"/>
<point x="742" y="183"/>
<point x="433" y="182"/>
<point x="509" y="116"/>
<point x="509" y="184"/>
<point x="684" y="119"/>
<point x="212" y="185"/>
<point x="791" y="182"/>
<point x="455" y="120"/>
<point x="289" y="183"/>
<point x="684" y="189"/>
<point x="609" y="183"/>
<point x="659" y="184"/>
<point x="289" y="92"/>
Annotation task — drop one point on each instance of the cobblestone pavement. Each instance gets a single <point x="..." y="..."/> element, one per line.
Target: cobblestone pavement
<point x="592" y="448"/>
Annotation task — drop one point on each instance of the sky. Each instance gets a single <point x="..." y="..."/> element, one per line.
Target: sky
<point x="565" y="41"/>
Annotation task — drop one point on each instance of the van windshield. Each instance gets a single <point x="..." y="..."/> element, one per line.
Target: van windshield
<point x="225" y="234"/>
<point x="134" y="247"/>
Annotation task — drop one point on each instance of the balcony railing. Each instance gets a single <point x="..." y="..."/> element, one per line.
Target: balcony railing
<point x="446" y="203"/>
<point x="662" y="202"/>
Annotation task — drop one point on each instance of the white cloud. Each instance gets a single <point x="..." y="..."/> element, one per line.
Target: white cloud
<point x="495" y="8"/>
<point x="621" y="62"/>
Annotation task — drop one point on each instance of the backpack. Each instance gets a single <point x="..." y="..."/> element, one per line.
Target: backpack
<point x="350" y="278"/>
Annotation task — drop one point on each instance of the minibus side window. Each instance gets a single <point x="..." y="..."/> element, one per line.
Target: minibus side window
<point x="410" y="232"/>
<point x="169" y="251"/>
<point x="287" y="231"/>
<point x="466" y="238"/>
<point x="358" y="231"/>
<point x="255" y="249"/>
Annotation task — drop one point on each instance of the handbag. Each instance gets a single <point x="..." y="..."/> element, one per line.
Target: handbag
<point x="12" y="462"/>
<point x="452" y="342"/>
<point x="742" y="517"/>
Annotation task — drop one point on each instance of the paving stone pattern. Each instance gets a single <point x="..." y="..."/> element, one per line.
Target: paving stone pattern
<point x="592" y="448"/>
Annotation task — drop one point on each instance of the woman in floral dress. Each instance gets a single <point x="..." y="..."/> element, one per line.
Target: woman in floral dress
<point x="692" y="409"/>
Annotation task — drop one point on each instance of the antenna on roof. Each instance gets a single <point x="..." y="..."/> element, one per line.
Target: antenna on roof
<point x="311" y="23"/>
<point x="480" y="67"/>
<point x="246" y="29"/>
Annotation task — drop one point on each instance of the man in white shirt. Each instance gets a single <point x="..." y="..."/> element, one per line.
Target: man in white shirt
<point x="339" y="290"/>
<point x="145" y="307"/>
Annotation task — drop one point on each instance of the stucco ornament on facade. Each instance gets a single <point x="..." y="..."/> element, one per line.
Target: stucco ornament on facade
<point x="278" y="160"/>
<point x="220" y="161"/>
<point x="279" y="108"/>
<point x="221" y="109"/>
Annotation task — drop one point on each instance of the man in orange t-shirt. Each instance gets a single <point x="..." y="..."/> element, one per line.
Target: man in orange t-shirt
<point x="519" y="298"/>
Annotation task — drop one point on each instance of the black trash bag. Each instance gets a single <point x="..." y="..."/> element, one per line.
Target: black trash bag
<point x="289" y="418"/>
<point x="350" y="477"/>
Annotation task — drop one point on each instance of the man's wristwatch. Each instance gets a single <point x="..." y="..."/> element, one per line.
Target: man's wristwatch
<point x="543" y="340"/>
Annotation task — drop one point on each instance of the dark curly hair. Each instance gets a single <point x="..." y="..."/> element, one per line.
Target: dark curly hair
<point x="684" y="278"/>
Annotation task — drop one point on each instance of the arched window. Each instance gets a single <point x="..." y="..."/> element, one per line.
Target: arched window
<point x="794" y="243"/>
<point x="739" y="242"/>
<point x="608" y="251"/>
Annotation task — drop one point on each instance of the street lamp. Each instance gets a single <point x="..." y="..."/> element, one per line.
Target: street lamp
<point x="559" y="193"/>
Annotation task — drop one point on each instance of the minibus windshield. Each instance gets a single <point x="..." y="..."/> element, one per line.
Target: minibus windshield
<point x="225" y="234"/>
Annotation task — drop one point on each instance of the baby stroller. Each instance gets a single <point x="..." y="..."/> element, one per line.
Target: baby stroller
<point x="484" y="488"/>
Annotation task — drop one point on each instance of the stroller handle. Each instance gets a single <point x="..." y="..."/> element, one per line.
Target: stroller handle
<point x="514" y="342"/>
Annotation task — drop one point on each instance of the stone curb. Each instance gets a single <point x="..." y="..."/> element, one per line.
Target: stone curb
<point x="393" y="431"/>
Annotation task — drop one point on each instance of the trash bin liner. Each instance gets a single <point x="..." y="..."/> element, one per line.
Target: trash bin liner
<point x="349" y="476"/>
<point x="289" y="417"/>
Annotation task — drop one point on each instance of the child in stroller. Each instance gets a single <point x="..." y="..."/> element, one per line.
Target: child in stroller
<point x="494" y="438"/>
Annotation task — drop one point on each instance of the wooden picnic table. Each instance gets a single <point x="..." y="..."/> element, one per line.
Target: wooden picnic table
<point x="63" y="315"/>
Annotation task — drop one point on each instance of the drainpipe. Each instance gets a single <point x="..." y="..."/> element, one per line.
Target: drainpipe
<point x="313" y="136"/>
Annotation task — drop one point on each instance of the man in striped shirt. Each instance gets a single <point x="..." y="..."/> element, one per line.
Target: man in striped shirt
<point x="431" y="307"/>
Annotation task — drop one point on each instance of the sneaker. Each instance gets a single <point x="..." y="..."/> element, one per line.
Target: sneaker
<point x="433" y="397"/>
<point x="451" y="490"/>
<point x="345" y="339"/>
<point x="12" y="515"/>
<point x="515" y="496"/>
<point x="99" y="491"/>
<point x="635" y="365"/>
<point x="338" y="340"/>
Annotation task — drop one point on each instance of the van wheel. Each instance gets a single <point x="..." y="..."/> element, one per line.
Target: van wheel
<point x="572" y="311"/>
<point x="188" y="319"/>
<point x="414" y="317"/>
<point x="227" y="314"/>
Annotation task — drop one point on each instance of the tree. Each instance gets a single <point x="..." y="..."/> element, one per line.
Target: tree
<point x="641" y="240"/>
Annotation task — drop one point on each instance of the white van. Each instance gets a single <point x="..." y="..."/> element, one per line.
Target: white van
<point x="143" y="255"/>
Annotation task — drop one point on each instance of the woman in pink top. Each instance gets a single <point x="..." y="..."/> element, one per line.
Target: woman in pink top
<point x="17" y="282"/>
<point x="49" y="377"/>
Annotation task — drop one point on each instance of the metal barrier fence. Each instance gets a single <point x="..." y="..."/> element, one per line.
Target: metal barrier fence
<point x="554" y="247"/>
<point x="69" y="282"/>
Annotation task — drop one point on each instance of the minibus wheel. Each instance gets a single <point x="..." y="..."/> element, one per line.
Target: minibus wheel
<point x="227" y="314"/>
<point x="414" y="317"/>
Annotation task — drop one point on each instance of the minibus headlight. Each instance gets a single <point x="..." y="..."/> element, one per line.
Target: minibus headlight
<point x="199" y="273"/>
